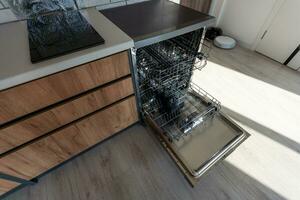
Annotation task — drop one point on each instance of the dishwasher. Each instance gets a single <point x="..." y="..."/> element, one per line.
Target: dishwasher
<point x="188" y="121"/>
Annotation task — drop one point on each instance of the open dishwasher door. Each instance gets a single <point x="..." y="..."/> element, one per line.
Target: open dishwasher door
<point x="199" y="135"/>
<point x="188" y="120"/>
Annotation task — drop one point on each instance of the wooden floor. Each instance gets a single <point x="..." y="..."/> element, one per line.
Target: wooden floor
<point x="261" y="94"/>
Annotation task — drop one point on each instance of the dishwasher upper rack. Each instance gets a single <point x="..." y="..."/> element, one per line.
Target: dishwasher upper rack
<point x="180" y="122"/>
<point x="191" y="41"/>
<point x="157" y="75"/>
<point x="191" y="44"/>
<point x="174" y="51"/>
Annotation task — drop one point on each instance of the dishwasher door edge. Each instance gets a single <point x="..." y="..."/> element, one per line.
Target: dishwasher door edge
<point x="194" y="176"/>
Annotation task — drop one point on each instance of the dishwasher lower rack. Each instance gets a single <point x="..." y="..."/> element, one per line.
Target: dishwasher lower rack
<point x="178" y="112"/>
<point x="195" y="141"/>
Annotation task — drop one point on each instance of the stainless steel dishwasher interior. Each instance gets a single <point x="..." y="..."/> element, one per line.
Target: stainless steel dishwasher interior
<point x="188" y="120"/>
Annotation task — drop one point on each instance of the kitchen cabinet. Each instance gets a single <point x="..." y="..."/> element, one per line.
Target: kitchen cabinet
<point x="38" y="157"/>
<point x="42" y="123"/>
<point x="27" y="98"/>
<point x="48" y="121"/>
<point x="6" y="186"/>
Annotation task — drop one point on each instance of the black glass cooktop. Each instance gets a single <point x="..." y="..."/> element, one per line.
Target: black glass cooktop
<point x="58" y="34"/>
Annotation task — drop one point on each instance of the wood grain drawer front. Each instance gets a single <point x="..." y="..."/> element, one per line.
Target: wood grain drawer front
<point x="6" y="186"/>
<point x="32" y="96"/>
<point x="36" y="158"/>
<point x="40" y="124"/>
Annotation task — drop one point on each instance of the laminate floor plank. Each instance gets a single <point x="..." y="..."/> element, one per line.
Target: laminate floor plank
<point x="133" y="165"/>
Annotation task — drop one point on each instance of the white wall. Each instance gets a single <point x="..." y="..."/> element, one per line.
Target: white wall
<point x="244" y="19"/>
<point x="217" y="8"/>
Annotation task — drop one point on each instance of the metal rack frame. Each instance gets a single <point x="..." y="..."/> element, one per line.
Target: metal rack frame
<point x="163" y="74"/>
<point x="171" y="62"/>
<point x="159" y="76"/>
<point x="181" y="121"/>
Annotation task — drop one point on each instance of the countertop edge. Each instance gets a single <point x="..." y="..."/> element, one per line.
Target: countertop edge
<point x="172" y="33"/>
<point x="123" y="43"/>
<point x="46" y="71"/>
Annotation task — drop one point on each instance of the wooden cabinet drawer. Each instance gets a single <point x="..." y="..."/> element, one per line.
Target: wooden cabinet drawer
<point x="6" y="186"/>
<point x="44" y="154"/>
<point x="37" y="94"/>
<point x="60" y="115"/>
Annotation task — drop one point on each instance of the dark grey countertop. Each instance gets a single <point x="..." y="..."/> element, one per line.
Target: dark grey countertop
<point x="154" y="18"/>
